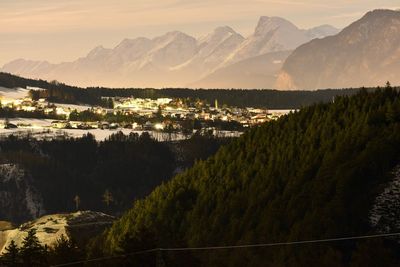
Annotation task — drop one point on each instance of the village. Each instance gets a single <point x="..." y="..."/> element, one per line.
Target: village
<point x="141" y="114"/>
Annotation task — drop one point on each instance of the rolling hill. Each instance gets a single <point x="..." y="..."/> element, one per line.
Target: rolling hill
<point x="318" y="173"/>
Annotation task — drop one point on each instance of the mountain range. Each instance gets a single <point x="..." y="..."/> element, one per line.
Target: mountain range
<point x="277" y="55"/>
<point x="176" y="59"/>
<point x="366" y="53"/>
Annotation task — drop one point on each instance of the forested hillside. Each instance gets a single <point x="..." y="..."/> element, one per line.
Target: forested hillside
<point x="313" y="174"/>
<point x="69" y="174"/>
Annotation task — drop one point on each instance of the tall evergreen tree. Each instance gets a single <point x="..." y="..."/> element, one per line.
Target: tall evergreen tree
<point x="32" y="252"/>
<point x="65" y="250"/>
<point x="11" y="257"/>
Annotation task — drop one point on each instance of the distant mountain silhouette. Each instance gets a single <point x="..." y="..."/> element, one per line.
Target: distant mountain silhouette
<point x="366" y="53"/>
<point x="174" y="59"/>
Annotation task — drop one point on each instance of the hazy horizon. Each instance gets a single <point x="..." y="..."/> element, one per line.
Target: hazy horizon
<point x="61" y="30"/>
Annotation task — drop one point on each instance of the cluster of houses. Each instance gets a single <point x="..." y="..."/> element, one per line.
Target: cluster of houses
<point x="177" y="109"/>
<point x="167" y="111"/>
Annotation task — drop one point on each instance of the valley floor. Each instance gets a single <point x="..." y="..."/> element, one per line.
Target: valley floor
<point x="42" y="128"/>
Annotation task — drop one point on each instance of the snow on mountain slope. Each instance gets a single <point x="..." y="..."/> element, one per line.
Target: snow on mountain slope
<point x="33" y="68"/>
<point x="321" y="31"/>
<point x="271" y="34"/>
<point x="212" y="51"/>
<point x="131" y="49"/>
<point x="209" y="43"/>
<point x="16" y="93"/>
<point x="19" y="199"/>
<point x="171" y="49"/>
<point x="366" y="53"/>
<point x="258" y="72"/>
<point x="385" y="213"/>
<point x="174" y="59"/>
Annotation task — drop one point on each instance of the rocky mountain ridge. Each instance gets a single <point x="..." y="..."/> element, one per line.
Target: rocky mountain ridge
<point x="174" y="59"/>
<point x="366" y="53"/>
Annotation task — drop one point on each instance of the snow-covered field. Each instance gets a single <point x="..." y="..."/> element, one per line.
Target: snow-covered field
<point x="17" y="93"/>
<point x="281" y="111"/>
<point x="41" y="128"/>
<point x="72" y="107"/>
<point x="48" y="230"/>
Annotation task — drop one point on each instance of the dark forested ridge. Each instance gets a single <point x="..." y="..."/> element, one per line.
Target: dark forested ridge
<point x="272" y="99"/>
<point x="310" y="175"/>
<point x="121" y="169"/>
<point x="55" y="92"/>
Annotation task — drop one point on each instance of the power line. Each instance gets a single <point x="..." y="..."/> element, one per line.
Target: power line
<point x="107" y="258"/>
<point x="302" y="242"/>
<point x="283" y="243"/>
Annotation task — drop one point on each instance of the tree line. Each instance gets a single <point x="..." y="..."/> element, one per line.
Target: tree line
<point x="33" y="254"/>
<point x="271" y="99"/>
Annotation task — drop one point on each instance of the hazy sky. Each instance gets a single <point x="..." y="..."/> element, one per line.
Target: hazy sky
<point x="62" y="30"/>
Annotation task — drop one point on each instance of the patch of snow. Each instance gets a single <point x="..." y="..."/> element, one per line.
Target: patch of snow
<point x="17" y="93"/>
<point x="41" y="129"/>
<point x="34" y="202"/>
<point x="72" y="107"/>
<point x="17" y="189"/>
<point x="10" y="172"/>
<point x="385" y="213"/>
<point x="49" y="228"/>
<point x="34" y="88"/>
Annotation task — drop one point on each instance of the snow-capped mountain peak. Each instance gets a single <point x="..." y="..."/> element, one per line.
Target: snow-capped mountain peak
<point x="131" y="43"/>
<point x="224" y="30"/>
<point x="322" y="31"/>
<point x="174" y="36"/>
<point x="271" y="34"/>
<point x="267" y="24"/>
<point x="174" y="59"/>
<point x="97" y="52"/>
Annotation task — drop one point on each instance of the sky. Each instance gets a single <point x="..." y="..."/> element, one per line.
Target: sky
<point x="63" y="30"/>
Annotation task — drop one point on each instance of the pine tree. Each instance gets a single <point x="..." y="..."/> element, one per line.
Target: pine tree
<point x="32" y="252"/>
<point x="11" y="257"/>
<point x="65" y="250"/>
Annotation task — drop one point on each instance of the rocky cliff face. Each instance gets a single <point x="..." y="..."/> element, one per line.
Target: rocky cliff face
<point x="19" y="199"/>
<point x="366" y="53"/>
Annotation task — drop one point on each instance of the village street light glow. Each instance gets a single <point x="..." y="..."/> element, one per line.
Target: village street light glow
<point x="158" y="126"/>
